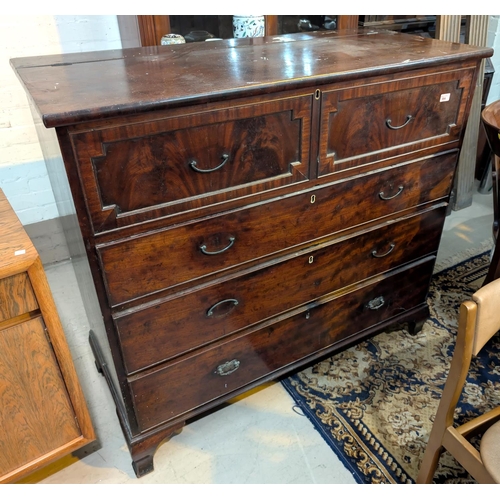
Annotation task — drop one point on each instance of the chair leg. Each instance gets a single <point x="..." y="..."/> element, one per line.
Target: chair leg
<point x="452" y="390"/>
<point x="429" y="462"/>
<point x="494" y="269"/>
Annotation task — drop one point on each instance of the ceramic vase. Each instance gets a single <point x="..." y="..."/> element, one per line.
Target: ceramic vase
<point x="248" y="26"/>
<point x="172" y="39"/>
<point x="198" y="36"/>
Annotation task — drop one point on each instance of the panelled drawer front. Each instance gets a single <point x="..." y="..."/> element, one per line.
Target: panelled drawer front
<point x="227" y="367"/>
<point x="173" y="327"/>
<point x="16" y="296"/>
<point x="157" y="261"/>
<point x="372" y="122"/>
<point x="130" y="169"/>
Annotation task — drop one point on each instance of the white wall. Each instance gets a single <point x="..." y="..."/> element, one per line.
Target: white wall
<point x="23" y="175"/>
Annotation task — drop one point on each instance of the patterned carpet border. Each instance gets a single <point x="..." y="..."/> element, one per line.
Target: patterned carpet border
<point x="374" y="403"/>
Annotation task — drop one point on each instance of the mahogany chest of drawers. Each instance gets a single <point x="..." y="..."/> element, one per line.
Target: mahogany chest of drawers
<point x="248" y="206"/>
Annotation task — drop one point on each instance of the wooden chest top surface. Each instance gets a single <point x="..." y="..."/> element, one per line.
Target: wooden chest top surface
<point x="71" y="88"/>
<point x="17" y="252"/>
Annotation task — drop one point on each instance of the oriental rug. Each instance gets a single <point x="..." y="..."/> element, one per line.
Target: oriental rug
<point x="374" y="403"/>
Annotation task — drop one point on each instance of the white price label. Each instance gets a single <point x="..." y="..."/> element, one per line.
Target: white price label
<point x="444" y="97"/>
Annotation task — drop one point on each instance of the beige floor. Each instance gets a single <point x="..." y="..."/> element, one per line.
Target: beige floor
<point x="257" y="439"/>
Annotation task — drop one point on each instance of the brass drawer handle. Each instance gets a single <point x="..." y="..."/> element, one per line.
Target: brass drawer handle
<point x="227" y="368"/>
<point x="380" y="255"/>
<point x="204" y="250"/>
<point x="376" y="303"/>
<point x="392" y="127"/>
<point x="210" y="312"/>
<point x="224" y="159"/>
<point x="385" y="198"/>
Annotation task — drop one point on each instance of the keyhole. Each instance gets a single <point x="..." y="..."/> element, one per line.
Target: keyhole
<point x="311" y="259"/>
<point x="313" y="198"/>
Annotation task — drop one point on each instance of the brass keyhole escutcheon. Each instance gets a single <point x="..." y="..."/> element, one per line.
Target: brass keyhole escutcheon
<point x="317" y="94"/>
<point x="313" y="198"/>
<point x="311" y="259"/>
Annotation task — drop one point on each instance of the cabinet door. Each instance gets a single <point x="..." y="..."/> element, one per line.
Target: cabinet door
<point x="36" y="414"/>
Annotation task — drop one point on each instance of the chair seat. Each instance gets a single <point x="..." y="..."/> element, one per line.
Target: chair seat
<point x="490" y="451"/>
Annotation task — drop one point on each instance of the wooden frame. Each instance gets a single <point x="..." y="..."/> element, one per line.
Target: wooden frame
<point x="18" y="255"/>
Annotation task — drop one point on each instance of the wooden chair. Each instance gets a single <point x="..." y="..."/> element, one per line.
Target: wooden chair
<point x="490" y="117"/>
<point x="479" y="320"/>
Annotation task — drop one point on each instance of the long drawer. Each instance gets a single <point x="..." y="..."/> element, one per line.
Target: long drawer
<point x="221" y="369"/>
<point x="157" y="261"/>
<point x="193" y="159"/>
<point x="362" y="124"/>
<point x="171" y="327"/>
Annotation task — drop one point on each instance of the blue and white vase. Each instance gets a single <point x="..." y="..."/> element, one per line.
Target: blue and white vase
<point x="248" y="26"/>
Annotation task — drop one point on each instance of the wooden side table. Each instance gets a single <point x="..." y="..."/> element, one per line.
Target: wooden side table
<point x="43" y="413"/>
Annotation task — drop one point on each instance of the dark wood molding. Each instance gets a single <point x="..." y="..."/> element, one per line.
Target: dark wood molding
<point x="152" y="28"/>
<point x="271" y="25"/>
<point x="347" y="22"/>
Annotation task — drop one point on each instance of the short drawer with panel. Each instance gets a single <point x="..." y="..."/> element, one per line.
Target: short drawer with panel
<point x="369" y="122"/>
<point x="187" y="161"/>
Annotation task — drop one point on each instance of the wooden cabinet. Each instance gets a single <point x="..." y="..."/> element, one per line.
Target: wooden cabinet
<point x="152" y="28"/>
<point x="248" y="206"/>
<point x="43" y="414"/>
